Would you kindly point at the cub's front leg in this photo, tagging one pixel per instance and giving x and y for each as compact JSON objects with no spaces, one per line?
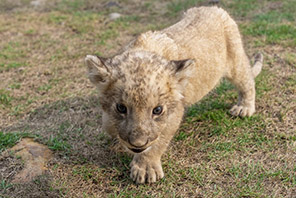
{"x":146,"y":166}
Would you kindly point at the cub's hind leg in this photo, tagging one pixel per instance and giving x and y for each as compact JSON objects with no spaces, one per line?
{"x":243,"y":77}
{"x":240,"y":73}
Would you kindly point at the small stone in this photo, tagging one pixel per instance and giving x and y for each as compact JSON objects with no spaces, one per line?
{"x":37,"y":3}
{"x":35,"y":157}
{"x":20,"y":69}
{"x":47,"y":72}
{"x":114,"y":16}
{"x":111,"y":4}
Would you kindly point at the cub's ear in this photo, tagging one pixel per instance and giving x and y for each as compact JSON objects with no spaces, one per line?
{"x":99,"y":73}
{"x":183,"y":69}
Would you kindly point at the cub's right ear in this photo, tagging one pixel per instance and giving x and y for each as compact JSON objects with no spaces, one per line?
{"x":97,"y":70}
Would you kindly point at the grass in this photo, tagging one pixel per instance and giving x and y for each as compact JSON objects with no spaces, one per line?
{"x":291,"y":59}
{"x":12,"y":56}
{"x":5,"y":97}
{"x":4,"y":186}
{"x":46,"y":95}
{"x":272,"y":33}
{"x":175,"y":7}
{"x":274,"y":17}
{"x":10,"y":139}
{"x":58,"y":144}
{"x":242,"y":8}
{"x":274,"y":26}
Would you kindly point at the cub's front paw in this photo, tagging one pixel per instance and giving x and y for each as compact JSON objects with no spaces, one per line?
{"x":146,"y":170}
{"x":242,"y":111}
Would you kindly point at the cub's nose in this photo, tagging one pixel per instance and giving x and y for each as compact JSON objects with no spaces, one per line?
{"x":138,"y":142}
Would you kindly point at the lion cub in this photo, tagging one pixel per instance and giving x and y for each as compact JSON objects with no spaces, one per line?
{"x":144,"y":90}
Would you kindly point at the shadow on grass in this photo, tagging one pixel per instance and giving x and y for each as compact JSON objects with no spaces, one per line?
{"x":72,"y":129}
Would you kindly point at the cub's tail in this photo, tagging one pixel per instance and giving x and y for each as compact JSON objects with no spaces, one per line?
{"x":256,"y":69}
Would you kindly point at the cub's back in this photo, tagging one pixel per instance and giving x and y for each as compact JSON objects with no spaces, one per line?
{"x":200,"y":31}
{"x":198,"y":23}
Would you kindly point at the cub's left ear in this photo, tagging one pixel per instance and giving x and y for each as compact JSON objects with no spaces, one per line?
{"x":183,"y":68}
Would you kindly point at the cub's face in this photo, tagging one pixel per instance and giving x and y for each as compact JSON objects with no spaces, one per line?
{"x":141,"y":96}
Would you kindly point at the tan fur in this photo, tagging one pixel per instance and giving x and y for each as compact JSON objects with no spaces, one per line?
{"x":172,"y":68}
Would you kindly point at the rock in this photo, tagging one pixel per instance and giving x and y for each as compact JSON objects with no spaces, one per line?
{"x":111,"y":4}
{"x":37,"y":3}
{"x":35,"y":157}
{"x":114,"y":16}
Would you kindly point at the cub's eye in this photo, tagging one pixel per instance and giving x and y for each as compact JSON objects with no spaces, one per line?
{"x":157,"y":110}
{"x":121,"y":108}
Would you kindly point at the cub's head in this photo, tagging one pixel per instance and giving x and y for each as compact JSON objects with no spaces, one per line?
{"x":141,"y":95}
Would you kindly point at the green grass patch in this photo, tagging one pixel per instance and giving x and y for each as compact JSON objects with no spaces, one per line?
{"x":202,"y":110}
{"x":11,"y":103}
{"x":59,"y":141}
{"x":243,"y":8}
{"x":290,"y":81}
{"x":271,"y":33}
{"x":263,"y":83}
{"x":12,"y":65}
{"x":104,"y":36}
{"x":86,"y":173}
{"x":11,"y":51}
{"x":4,"y":186}
{"x":57,"y":18}
{"x":182,"y":135}
{"x":30,"y":32}
{"x":44,"y":88}
{"x":274,"y":17}
{"x":290,"y":58}
{"x":79,"y":22}
{"x":5,"y":97}
{"x":11,"y":56}
{"x":286,"y":176}
{"x":197,"y":175}
{"x":218,"y":129}
{"x":16,"y":110}
{"x":8,"y":140}
{"x":223,"y":87}
{"x":250,"y":177}
{"x":289,"y":6}
{"x":213,"y":110}
{"x":15,"y":85}
{"x":71,"y":5}
{"x":82,"y":22}
{"x":58,"y":144}
{"x":175,"y":7}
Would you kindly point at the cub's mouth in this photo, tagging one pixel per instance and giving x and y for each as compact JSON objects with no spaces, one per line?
{"x":137,"y":150}
{"x":134,"y":149}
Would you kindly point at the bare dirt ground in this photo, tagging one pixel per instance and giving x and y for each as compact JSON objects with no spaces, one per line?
{"x":44,"y":94}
